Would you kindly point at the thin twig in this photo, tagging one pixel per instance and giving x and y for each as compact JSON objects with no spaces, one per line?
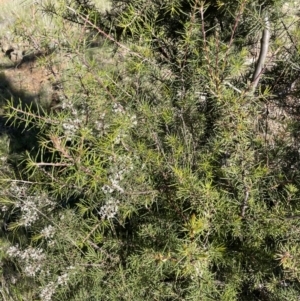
{"x":245,"y":203}
{"x":290,"y":37}
{"x":107,"y":36}
{"x":237,"y":20}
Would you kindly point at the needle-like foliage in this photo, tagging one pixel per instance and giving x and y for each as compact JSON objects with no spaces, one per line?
{"x":165,"y":171}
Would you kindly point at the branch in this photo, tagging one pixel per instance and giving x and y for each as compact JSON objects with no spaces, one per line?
{"x":262,"y":55}
{"x":107,"y":36}
{"x":245,"y":203}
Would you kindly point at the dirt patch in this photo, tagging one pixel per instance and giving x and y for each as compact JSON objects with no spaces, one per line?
{"x":29,"y":78}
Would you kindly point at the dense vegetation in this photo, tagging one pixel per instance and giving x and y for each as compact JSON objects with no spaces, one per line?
{"x":168,"y":167}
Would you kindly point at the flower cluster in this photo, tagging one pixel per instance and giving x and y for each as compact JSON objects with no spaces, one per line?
{"x":103,"y":123}
{"x":120,"y":167}
{"x":131,"y":121}
{"x":29,"y":212}
{"x":18,"y":190}
{"x":100,"y":125}
{"x":31,"y":258}
{"x":123,"y":132}
{"x":110,"y":209}
{"x":48,"y":291}
{"x":118,"y":108}
{"x":48,"y":232}
{"x":69,"y":105}
{"x":29,"y":204}
{"x":72,"y":124}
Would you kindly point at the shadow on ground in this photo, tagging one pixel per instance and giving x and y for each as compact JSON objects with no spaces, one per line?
{"x":20,"y":139}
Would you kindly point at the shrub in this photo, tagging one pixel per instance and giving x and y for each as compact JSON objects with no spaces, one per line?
{"x":156,"y":176}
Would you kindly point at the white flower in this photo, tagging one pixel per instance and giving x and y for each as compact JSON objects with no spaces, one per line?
{"x":48,"y":291}
{"x":19,"y":191}
{"x":71,"y":268}
{"x":29,"y":213}
{"x":30,"y":204}
{"x":13,"y":251}
{"x":115,"y":184}
{"x":118,"y":108}
{"x":107,"y":189}
{"x":50,"y":243}
{"x":133,"y":120}
{"x":31,"y":258}
{"x":48,"y":232}
{"x":110,"y":209}
{"x":99,"y":125}
{"x":118,"y":138}
{"x":63,"y":279}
